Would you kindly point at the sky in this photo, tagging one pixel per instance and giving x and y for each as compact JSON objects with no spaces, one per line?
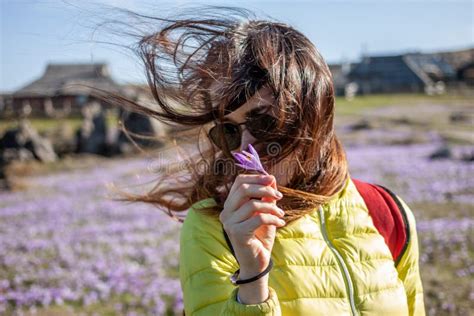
{"x":37,"y":32}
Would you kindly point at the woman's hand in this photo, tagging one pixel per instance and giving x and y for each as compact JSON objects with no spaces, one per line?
{"x":250,"y":217}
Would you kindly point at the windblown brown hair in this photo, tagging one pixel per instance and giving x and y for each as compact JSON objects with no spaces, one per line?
{"x":229,"y":45}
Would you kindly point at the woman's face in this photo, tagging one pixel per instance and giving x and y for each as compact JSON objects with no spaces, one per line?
{"x":261,"y":101}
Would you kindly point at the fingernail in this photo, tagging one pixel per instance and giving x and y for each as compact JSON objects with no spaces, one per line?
{"x":265,"y":179}
{"x":278,"y":193}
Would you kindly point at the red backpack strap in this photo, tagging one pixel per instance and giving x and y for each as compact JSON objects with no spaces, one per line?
{"x":388,"y":215}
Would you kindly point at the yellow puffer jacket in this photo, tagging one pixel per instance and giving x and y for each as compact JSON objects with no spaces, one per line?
{"x":329,"y":262}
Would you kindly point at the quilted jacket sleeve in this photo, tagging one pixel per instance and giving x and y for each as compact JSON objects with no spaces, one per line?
{"x":409,"y":270}
{"x":204,"y":269}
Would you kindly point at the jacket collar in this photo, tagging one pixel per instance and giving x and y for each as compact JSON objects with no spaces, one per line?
{"x":342,"y":193}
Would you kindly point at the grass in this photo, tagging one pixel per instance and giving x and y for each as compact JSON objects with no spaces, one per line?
{"x":360,"y":103}
{"x":430,"y":210}
{"x":42,"y":125}
{"x":46,"y":126}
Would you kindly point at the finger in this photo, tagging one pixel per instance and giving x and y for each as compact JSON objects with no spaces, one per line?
{"x":251,"y":224}
{"x":239,"y":180}
{"x":250,"y":207}
{"x":274,"y":186}
{"x":251,"y":179}
{"x":247,"y":191}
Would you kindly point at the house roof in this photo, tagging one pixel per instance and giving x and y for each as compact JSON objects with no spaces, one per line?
{"x":457,"y":59}
{"x":381,"y":66}
{"x":70,"y":79}
{"x":421,"y":65}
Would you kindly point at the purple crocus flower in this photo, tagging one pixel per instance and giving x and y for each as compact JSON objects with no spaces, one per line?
{"x":249,"y":160}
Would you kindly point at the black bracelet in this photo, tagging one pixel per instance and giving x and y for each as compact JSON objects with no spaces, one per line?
{"x":234,"y":277}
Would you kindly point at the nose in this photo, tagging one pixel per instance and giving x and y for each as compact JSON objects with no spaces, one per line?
{"x":246,"y":139}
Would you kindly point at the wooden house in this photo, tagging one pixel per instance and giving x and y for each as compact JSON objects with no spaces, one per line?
{"x":63,"y":89}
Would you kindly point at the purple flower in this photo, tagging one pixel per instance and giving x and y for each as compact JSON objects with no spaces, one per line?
{"x":249,"y":160}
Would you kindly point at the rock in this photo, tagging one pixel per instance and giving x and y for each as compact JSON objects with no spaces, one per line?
{"x":361,"y":125}
{"x":92,"y":135}
{"x":459,"y":117}
{"x":16,"y":141}
{"x":11,"y":139}
{"x":42,"y":149}
{"x":20,"y":154}
{"x":442,"y":153}
{"x":22,"y":144}
{"x":63,"y":139}
{"x":138,"y":129}
{"x":402,"y":121}
{"x":468,"y":157}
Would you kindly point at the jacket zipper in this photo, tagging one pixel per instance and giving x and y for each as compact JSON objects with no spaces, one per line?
{"x":345,"y":271}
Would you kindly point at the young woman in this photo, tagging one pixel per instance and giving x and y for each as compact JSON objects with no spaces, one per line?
{"x":301,"y":237}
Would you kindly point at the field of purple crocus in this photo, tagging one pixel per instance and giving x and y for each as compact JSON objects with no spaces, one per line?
{"x":67,"y":249}
{"x":64,"y":243}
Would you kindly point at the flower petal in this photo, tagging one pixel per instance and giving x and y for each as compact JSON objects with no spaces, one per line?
{"x":240,"y":158}
{"x":253,"y":151}
{"x":249,"y":160}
